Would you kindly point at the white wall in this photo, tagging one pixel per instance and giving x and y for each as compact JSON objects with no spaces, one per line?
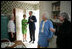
{"x":19,"y":17}
{"x":65,"y":6}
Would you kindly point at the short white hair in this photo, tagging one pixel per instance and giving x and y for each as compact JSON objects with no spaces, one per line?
{"x":46,"y":15}
{"x":12,"y":15}
{"x":64,"y":15}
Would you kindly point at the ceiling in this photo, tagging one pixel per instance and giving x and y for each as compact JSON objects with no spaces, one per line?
{"x":31,"y":2}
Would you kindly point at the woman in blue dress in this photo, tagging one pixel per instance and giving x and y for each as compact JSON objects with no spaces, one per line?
{"x":45,"y":32}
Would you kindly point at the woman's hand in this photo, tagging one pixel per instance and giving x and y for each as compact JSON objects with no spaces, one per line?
{"x":26,"y":23}
{"x":48,"y":39}
{"x":25,"y":27}
{"x":12,"y":36}
{"x":52,"y":29}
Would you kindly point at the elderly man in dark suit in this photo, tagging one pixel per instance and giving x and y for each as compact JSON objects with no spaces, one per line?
{"x":31,"y":22}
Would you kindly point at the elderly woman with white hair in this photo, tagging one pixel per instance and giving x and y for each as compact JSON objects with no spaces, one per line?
{"x":11,"y":28}
{"x":63,"y":35}
{"x":45,"y":31}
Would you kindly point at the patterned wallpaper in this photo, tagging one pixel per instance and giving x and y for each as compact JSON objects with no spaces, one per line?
{"x":7,"y":6}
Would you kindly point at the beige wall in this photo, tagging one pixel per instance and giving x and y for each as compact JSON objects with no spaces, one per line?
{"x":45,"y":6}
{"x":65,"y":6}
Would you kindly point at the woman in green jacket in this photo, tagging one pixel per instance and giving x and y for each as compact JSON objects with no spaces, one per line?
{"x":24,"y":27}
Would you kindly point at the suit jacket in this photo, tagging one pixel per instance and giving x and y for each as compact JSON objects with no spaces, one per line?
{"x":32,"y":24}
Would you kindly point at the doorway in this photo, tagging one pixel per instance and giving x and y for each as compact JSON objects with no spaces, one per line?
{"x":35,"y":13}
{"x":19,"y":17}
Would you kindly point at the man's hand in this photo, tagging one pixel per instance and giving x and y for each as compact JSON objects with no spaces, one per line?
{"x":31,"y":20}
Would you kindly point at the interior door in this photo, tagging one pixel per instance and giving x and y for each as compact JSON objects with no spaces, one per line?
{"x":4,"y":27}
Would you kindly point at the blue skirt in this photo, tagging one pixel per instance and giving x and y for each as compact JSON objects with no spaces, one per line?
{"x":43,"y":41}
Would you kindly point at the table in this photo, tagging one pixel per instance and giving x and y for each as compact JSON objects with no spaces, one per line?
{"x":15,"y":44}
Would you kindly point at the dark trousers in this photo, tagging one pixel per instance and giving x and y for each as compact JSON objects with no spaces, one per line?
{"x":10,"y":37}
{"x":32,"y":35}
